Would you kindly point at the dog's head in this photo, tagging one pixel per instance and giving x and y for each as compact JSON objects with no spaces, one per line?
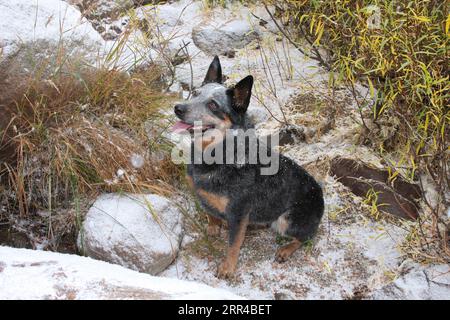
{"x":215,"y":105}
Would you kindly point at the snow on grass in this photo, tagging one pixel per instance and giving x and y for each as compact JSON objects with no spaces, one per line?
{"x":345,"y":256}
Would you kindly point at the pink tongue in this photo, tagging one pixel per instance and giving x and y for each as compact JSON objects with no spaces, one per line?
{"x":180,"y":126}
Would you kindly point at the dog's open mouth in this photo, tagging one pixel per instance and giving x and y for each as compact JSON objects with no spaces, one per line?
{"x":180,"y":127}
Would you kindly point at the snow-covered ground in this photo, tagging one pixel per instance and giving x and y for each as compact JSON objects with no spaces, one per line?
{"x":33,"y":274}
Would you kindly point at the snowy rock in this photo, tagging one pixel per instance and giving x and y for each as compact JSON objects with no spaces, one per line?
{"x":171,"y":24}
{"x":31,"y":274}
{"x":23,"y":21}
{"x":105,"y":15}
{"x":419,"y":283}
{"x":140,"y":232}
{"x":224,"y":39}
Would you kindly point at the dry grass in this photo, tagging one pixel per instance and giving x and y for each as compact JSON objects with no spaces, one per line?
{"x":77,"y":132}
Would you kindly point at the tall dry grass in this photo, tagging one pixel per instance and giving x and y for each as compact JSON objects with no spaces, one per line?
{"x":71,"y":134}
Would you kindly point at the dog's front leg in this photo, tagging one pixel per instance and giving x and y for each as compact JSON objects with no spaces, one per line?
{"x":237,"y":229}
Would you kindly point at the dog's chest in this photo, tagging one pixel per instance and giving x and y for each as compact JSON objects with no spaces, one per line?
{"x":210,"y":180}
{"x":210,"y":190}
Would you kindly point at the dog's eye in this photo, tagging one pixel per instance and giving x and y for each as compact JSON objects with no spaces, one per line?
{"x":213,"y":106}
{"x":195,"y":92}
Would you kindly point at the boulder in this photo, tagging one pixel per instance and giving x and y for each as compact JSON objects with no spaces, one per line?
{"x":23,"y":21}
{"x":418,"y":283}
{"x":105,"y":15}
{"x":31,"y":274}
{"x":224,"y":39}
{"x":140,"y":232}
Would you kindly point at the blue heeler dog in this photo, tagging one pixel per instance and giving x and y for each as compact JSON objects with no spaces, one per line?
{"x":290,"y":200}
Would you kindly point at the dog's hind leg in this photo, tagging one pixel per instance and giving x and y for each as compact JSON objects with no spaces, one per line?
{"x":283,"y":225}
{"x":237,"y":229}
{"x":214,"y":225}
{"x":284,"y":252}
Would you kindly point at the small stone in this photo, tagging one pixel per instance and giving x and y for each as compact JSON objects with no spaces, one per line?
{"x":231,"y":54}
{"x":283,"y":296}
{"x":291,"y":135}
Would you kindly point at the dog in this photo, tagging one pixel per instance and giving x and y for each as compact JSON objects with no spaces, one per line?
{"x":290,"y":200}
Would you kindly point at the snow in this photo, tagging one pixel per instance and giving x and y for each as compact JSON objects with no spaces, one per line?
{"x":174,"y":22}
{"x":343,"y":258}
{"x":418,"y":283}
{"x":23,"y":21}
{"x":137,"y":161}
{"x":28,"y":21}
{"x":31,"y":274}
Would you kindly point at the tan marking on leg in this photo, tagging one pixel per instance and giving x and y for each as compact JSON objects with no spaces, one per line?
{"x":228,"y":265}
{"x":287,"y":250}
{"x":214,"y":225}
{"x":216,"y":201}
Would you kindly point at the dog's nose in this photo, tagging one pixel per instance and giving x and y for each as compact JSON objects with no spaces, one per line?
{"x":179,"y":110}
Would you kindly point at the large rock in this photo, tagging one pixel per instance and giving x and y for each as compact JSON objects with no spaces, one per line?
{"x":224,"y":39}
{"x":418,"y":283}
{"x":32,"y":274}
{"x":140,"y":232}
{"x":23,"y":21}
{"x":105,"y":15}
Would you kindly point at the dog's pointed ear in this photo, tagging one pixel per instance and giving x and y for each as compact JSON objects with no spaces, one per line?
{"x":214,"y":73}
{"x":241,"y":94}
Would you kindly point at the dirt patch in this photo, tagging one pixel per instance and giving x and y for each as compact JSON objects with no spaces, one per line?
{"x":398,"y":198}
{"x":9,"y":236}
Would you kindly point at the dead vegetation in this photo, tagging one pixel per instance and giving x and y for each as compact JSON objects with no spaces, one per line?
{"x":74,"y":132}
{"x":398,"y":54}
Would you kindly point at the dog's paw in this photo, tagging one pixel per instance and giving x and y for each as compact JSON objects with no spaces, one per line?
{"x":213,"y":231}
{"x":286,"y":251}
{"x":226,"y":270}
{"x":282,"y":255}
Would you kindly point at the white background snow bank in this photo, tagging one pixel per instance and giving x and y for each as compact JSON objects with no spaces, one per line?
{"x":29,"y":20}
{"x":31,"y":274}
